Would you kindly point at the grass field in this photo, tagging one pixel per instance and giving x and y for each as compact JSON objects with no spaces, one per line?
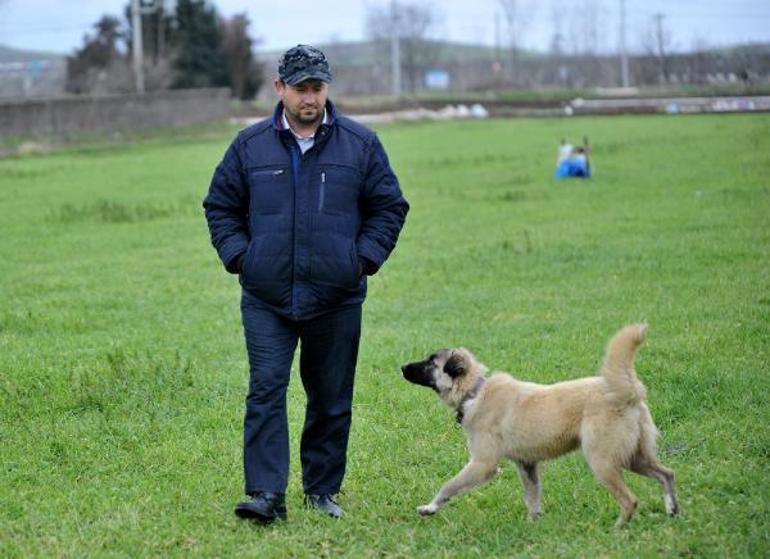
{"x":123,"y":371}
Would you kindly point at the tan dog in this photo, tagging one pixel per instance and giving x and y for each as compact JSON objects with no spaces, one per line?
{"x":605,"y":416}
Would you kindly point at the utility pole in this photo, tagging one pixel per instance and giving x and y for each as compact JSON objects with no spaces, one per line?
{"x":661,"y":40}
{"x":136,"y":23}
{"x":161,"y":32}
{"x":623,"y":52}
{"x":395,"y":50}
{"x":659,"y":30}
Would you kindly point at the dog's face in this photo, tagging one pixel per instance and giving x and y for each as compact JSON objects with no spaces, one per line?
{"x":439,"y":371}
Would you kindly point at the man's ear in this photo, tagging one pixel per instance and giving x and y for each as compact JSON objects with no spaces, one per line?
{"x":279,"y":85}
{"x":455,"y":365}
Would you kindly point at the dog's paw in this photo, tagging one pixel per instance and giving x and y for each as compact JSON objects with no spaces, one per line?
{"x":672,"y":507}
{"x":427,"y":510}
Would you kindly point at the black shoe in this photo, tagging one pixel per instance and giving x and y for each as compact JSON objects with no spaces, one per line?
{"x":324,"y":503}
{"x":263,"y":506}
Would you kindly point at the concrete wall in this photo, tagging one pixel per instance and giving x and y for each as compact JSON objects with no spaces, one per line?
{"x":69,"y":117}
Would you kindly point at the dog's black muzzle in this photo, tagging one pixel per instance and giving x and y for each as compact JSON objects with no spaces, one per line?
{"x":419,"y":373}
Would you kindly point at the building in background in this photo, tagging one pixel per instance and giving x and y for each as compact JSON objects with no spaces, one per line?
{"x":31,"y":74}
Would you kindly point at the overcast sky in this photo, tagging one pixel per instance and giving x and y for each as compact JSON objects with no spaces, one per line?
{"x":59,"y":25}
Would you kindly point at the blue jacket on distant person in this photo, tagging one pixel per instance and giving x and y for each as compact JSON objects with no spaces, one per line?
{"x":573,"y":167}
{"x":304,"y":230}
{"x":573,"y":161}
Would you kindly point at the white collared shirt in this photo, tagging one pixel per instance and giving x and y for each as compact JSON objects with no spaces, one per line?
{"x":304,"y":143}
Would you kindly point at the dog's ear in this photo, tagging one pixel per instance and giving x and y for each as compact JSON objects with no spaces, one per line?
{"x":455,"y":365}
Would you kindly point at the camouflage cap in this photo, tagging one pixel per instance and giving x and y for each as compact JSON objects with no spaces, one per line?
{"x":303,"y":62}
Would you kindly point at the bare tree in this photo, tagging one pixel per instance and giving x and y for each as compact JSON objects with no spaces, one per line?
{"x":657,"y":43}
{"x":585,"y":30}
{"x":662,"y":43}
{"x":585,"y":37}
{"x":698,"y":61}
{"x":557,"y":20}
{"x":518,"y":16}
{"x":100,"y":67}
{"x":592,"y":26}
{"x":412,"y":23}
{"x":245,"y":71}
{"x":556,"y":47}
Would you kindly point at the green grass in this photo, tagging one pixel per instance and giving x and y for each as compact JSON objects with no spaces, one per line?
{"x":123,"y":372}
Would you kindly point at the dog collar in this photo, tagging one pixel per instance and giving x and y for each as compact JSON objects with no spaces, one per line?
{"x":470,"y":395}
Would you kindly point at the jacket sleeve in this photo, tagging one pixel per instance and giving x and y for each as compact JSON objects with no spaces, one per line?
{"x":383,"y":208}
{"x":226,"y":206}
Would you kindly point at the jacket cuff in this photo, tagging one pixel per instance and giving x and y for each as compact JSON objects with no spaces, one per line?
{"x":235,"y":264}
{"x":368,"y":268}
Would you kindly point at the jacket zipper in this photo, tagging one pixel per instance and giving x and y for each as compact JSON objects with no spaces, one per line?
{"x":295,"y":164}
{"x":274,"y":172}
{"x":323,"y":191}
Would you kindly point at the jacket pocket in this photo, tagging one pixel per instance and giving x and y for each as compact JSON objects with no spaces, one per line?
{"x":267,"y":271}
{"x":338,"y":190}
{"x":269,"y":190}
{"x":355,"y":278}
{"x":336,"y":266}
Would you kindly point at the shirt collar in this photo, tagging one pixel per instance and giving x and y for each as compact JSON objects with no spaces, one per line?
{"x":286,"y":126}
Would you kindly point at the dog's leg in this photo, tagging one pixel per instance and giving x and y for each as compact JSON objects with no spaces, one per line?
{"x":472,"y":475}
{"x":612,"y":478}
{"x":608,"y":443}
{"x":530,"y":479}
{"x":657,"y":471}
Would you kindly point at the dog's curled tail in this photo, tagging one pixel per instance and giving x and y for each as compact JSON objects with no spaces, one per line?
{"x":618,"y":366}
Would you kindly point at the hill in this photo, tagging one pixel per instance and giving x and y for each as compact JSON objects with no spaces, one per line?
{"x":11,"y":54}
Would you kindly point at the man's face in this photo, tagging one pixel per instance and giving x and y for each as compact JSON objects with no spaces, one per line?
{"x":304,"y":103}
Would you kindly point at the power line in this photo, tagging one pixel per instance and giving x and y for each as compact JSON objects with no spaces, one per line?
{"x":15,"y":30}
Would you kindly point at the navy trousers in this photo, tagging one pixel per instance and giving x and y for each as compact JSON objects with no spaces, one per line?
{"x":328,"y":354}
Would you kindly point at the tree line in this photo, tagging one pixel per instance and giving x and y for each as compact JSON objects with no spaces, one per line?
{"x":189,"y":47}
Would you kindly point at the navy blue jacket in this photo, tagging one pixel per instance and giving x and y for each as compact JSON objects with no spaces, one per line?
{"x":301,"y":224}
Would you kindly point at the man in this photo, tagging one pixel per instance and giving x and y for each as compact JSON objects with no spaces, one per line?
{"x":304,"y":206}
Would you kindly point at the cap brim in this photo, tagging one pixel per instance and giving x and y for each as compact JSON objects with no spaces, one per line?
{"x":302,"y":76}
